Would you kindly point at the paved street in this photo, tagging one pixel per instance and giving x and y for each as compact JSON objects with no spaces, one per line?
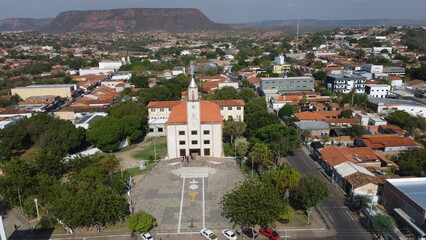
{"x":333,"y":210}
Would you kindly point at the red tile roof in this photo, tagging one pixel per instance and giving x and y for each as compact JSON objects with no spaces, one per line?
{"x":228,"y":102}
{"x":162,"y":104}
{"x":382,"y":141}
{"x":209,"y":114}
{"x":334,"y":156}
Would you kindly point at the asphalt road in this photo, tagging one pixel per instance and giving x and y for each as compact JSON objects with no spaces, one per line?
{"x":333,"y":210}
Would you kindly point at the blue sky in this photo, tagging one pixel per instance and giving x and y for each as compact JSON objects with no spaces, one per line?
{"x":232,"y":11}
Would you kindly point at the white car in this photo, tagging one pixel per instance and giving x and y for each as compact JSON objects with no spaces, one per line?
{"x":207,"y":234}
{"x":229,"y":234}
{"x":146,"y":236}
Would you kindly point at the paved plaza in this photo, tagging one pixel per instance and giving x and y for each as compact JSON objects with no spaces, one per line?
{"x":184,"y":196}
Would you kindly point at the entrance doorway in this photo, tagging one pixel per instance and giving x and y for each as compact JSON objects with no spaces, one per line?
{"x":194,"y":152}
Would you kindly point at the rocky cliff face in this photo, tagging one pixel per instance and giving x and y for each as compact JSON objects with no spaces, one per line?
{"x":132,"y":20}
{"x":23,"y":24}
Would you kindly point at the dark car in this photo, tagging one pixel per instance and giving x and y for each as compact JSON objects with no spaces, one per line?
{"x":250,"y":232}
{"x":269,"y":232}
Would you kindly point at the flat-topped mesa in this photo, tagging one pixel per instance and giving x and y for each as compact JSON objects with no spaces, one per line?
{"x":133,"y":20}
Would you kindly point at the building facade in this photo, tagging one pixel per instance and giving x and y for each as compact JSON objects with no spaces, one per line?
{"x":288,"y":84}
{"x":194,"y":127}
{"x":377,"y":90}
{"x":346,"y":83}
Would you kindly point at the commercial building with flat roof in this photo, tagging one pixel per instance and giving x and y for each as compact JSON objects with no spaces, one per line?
{"x":388,"y":105}
{"x":289,"y":84}
{"x":63,"y":91}
{"x":406,"y":197}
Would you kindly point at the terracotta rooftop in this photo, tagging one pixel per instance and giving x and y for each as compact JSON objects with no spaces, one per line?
{"x":342,"y":120}
{"x":334,"y":155}
{"x":360,"y":179}
{"x":163,"y":104}
{"x":382,"y":141}
{"x":209,"y":114}
{"x":228,"y":102}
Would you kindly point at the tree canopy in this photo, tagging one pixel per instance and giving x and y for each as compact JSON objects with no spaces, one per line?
{"x":383,"y":224}
{"x":253,"y":203}
{"x":311,"y":191}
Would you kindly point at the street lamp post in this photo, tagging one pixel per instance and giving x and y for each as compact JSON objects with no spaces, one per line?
{"x":38,"y":213}
{"x":20,"y":201}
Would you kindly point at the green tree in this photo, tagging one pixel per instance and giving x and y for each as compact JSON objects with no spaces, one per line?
{"x":383,"y":224}
{"x":233,"y":129}
{"x":141,"y":222}
{"x":253,"y":203}
{"x":398,"y":117}
{"x":361,"y":202}
{"x":287,"y":214}
{"x":226,"y":93}
{"x":311,"y":191}
{"x":279,"y":137}
{"x":109,"y":165}
{"x":320,"y":75}
{"x":286,"y":178}
{"x":246,"y":94}
{"x":286,"y":111}
{"x":355,"y":130}
{"x":412,"y":162}
{"x":106,"y":133}
{"x":261,"y":155}
{"x":346,"y":113}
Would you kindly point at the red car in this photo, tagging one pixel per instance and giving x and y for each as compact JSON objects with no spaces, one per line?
{"x":269,"y":232}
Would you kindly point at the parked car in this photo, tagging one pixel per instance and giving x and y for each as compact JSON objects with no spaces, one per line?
{"x":229,"y":234}
{"x":207,"y":234}
{"x":269,"y":232}
{"x":250,"y":232}
{"x":146,"y":236}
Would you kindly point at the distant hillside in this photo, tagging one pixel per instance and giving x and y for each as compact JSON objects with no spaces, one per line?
{"x":23,"y":24}
{"x":132,"y":20}
{"x":361,"y":22}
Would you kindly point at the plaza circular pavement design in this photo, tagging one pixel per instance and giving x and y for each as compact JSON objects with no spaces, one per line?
{"x":184,"y":196}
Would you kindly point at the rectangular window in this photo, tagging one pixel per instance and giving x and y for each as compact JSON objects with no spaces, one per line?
{"x":207,"y":152}
{"x":152,"y":109}
{"x":170,"y":109}
{"x":181,"y":142}
{"x":206,"y":141}
{"x":151,"y":129}
{"x":238,"y":108}
{"x":221,"y":108}
{"x":229,"y":108}
{"x":194,"y":142}
{"x":160,"y":129}
{"x":182,"y":152}
{"x":161,"y":109}
{"x":206,"y":132}
{"x":181,"y":133}
{"x":193,"y":132}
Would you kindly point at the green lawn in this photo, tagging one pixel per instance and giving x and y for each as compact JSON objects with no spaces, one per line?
{"x":300,"y":219}
{"x":136,"y":171}
{"x":128,"y":148}
{"x":149,"y":152}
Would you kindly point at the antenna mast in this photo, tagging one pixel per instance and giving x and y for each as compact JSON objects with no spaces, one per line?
{"x":297,"y":35}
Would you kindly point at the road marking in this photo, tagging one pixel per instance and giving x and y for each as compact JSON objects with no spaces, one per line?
{"x":181,"y":205}
{"x":204,"y":205}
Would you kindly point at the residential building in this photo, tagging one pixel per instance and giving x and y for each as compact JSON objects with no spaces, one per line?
{"x":415,"y":84}
{"x":63,"y":91}
{"x":178,"y":70}
{"x":194,"y":127}
{"x":370,"y":119}
{"x":387,"y":105}
{"x":110,"y":65}
{"x":406,"y":198}
{"x":346,"y":83}
{"x":282,"y":68}
{"x":371,"y":68}
{"x":389,"y":143}
{"x":86,"y":120}
{"x":377,"y":90}
{"x":312,"y":130}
